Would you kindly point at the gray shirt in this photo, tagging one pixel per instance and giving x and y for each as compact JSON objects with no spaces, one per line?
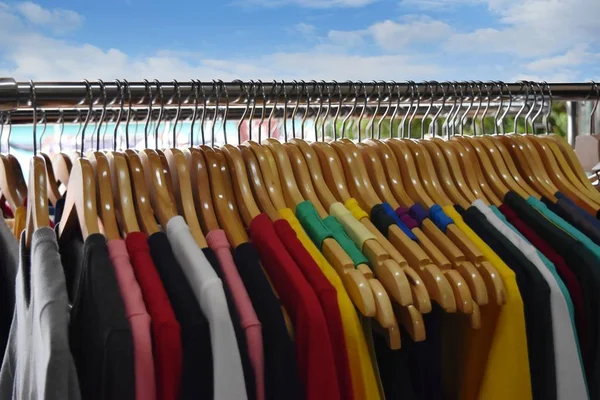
{"x":38,"y":363}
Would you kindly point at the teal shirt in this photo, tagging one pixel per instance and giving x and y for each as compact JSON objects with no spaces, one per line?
{"x":565,"y":226}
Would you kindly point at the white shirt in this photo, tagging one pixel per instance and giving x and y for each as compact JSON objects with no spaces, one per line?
{"x":570,"y":381}
{"x":207,"y":286}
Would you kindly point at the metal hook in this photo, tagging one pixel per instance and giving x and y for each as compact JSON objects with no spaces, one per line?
{"x":194,"y":110}
{"x":298,"y":95}
{"x":159,"y":95}
{"x":339,"y":109}
{"x":523,"y":106}
{"x":412,"y":116}
{"x":243,"y":88}
{"x":327,"y":113}
{"x":432,"y":130}
{"x":592,"y":125}
{"x":129,"y":112}
{"x":547,"y":113}
{"x":203,"y":119}
{"x":452,"y":118}
{"x":33,"y":99}
{"x":316,"y":124}
{"x":487,"y":107}
{"x":253,"y":91}
{"x":497,"y":113}
{"x":480,"y":96}
{"x":412,"y":86}
{"x":149,"y":112}
{"x":396,"y":109}
{"x":121,"y":95}
{"x":103,"y":115}
{"x":216,"y":89}
{"x":178,"y":113}
{"x":352,"y":86}
{"x":362,"y":111}
{"x":226,"y":113}
{"x":274,"y":108}
{"x":535,"y":117}
{"x":44,"y":120}
{"x":528,"y":115}
{"x":2,"y":127}
{"x":88,"y":89}
{"x":430,"y":85}
{"x":510,"y":99}
{"x":285,"y":104}
{"x":305,"y":87}
{"x":465,"y":115}
{"x":371,"y":124}
{"x":447,"y":116}
{"x":264,"y":110}
{"x":387,"y":109}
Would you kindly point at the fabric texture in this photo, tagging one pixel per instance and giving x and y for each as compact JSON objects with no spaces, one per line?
{"x":38,"y":362}
{"x":327,"y":296}
{"x":352,"y":226}
{"x":217,"y":240}
{"x":9,"y":261}
{"x":404,"y":214}
{"x":354,"y":208}
{"x":314,"y":225}
{"x":197,"y":367}
{"x":497,"y":352}
{"x":314,"y":355}
{"x":344,"y":241}
{"x":570,"y":380}
{"x":439,"y":218}
{"x":418,"y":213}
{"x":392,"y":213}
{"x":281,"y":371}
{"x":138,"y":317}
{"x":536,"y":300}
{"x":228,"y":373}
{"x":100,"y":336}
{"x":363,"y":377}
{"x":166,"y":330}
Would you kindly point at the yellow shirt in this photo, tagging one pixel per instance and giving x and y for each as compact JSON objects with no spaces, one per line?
{"x":364,"y":382}
{"x":20,"y":219}
{"x":494,"y":362}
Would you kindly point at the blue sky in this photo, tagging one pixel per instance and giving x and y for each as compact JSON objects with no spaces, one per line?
{"x":554,"y":40}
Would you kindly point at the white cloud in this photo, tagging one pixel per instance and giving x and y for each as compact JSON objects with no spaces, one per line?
{"x":346,"y":39}
{"x":312,"y":3}
{"x":58,"y":20}
{"x":391,"y":35}
{"x":571,"y":58}
{"x":303,"y":29}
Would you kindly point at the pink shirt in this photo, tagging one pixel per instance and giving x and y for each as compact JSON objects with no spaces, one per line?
{"x":145,"y":386}
{"x":217,"y":241}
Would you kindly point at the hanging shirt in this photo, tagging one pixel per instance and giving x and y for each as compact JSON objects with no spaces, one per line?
{"x":217,"y":241}
{"x":314,"y":355}
{"x":9,"y":255}
{"x":327,"y":296}
{"x":568,"y":277}
{"x":352,"y":226}
{"x":280,"y":370}
{"x":228,"y":373}
{"x":570,"y":381}
{"x":404,"y":214}
{"x":497,"y":352}
{"x":344,"y":240}
{"x":197,"y":368}
{"x":575,"y":215}
{"x":536,"y":300}
{"x":383,"y":219}
{"x":392,"y":213}
{"x":166,"y":331}
{"x":99,"y":333}
{"x":583,"y":263}
{"x":38,"y":362}
{"x":439,"y":218}
{"x":135,"y":309}
{"x":363,"y":377}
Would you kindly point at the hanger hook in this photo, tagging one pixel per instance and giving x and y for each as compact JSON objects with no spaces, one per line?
{"x":487,"y":106}
{"x":319,"y":87}
{"x":276,"y":89}
{"x":371,"y":123}
{"x":396,"y":108}
{"x":523,"y":86}
{"x":43,"y":120}
{"x":245,"y":91}
{"x":254,"y":87}
{"x":88,"y":117}
{"x":226,"y":112}
{"x":103,"y":114}
{"x":203,"y":119}
{"x":501,"y":99}
{"x":329,"y":88}
{"x":285,"y":106}
{"x":510,"y":99}
{"x":463,"y":118}
{"x":549,"y":110}
{"x":264,"y":109}
{"x":33,"y":99}
{"x":178,"y":113}
{"x":427,"y":84}
{"x":129,"y":111}
{"x":120,"y":97}
{"x":148,"y":90}
{"x":411,"y":88}
{"x":216,"y":89}
{"x":159,"y":97}
{"x":308,"y":93}
{"x":432,"y":130}
{"x":355,"y":102}
{"x":299,"y":92}
{"x":537,"y":114}
{"x":455,"y":110}
{"x":339,"y":108}
{"x":389,"y":105}
{"x":530,"y":111}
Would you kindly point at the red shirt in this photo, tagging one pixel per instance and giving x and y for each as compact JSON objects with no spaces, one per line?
{"x":166,"y":332}
{"x":327,"y":296}
{"x":314,"y":354}
{"x":568,"y":277}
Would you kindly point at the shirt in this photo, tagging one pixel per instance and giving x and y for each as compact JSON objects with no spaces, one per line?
{"x":583,"y":263}
{"x":364,"y":382}
{"x":38,"y":362}
{"x":100,"y":336}
{"x":228,"y":373}
{"x":383,"y":219}
{"x":575,"y":215}
{"x":139,"y":320}
{"x":280,"y":371}
{"x":569,"y":371}
{"x":327,"y":296}
{"x":497,"y":352}
{"x":568,"y":277}
{"x":166,"y":331}
{"x":404,"y":214}
{"x":197,"y":367}
{"x":9,"y":255}
{"x":314,"y":355}
{"x":217,"y":241}
{"x":536,"y":300}
{"x":392,"y":213}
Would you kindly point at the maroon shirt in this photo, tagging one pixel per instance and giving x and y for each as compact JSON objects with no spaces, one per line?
{"x":314,"y":354}
{"x":166,"y":331}
{"x":568,"y":277}
{"x":327,"y":296}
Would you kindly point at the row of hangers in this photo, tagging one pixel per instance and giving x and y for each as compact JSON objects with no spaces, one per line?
{"x":118,"y":192}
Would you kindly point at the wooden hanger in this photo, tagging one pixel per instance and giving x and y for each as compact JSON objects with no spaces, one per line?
{"x":572,"y":159}
{"x":236,"y":234}
{"x":437,"y":284}
{"x":53,"y":192}
{"x":121,"y":192}
{"x":8,"y":184}
{"x":80,"y":208}
{"x":334,"y":176}
{"x":134,"y":197}
{"x":201,"y":189}
{"x":435,"y":244}
{"x":61,"y":165}
{"x":180,"y":178}
{"x":104,"y":191}
{"x":163,"y":203}
{"x":38,"y":214}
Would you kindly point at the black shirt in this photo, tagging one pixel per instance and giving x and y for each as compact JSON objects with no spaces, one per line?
{"x":197,"y":371}
{"x":99,"y":332}
{"x":381,"y":219}
{"x":535,"y":293}
{"x":573,"y":215}
{"x":281,"y":371}
{"x":240,"y":335}
{"x":59,"y":208}
{"x":584,"y":265}
{"x":9,"y":253}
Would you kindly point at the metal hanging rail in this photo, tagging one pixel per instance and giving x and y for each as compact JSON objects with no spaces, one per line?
{"x":17,"y":95}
